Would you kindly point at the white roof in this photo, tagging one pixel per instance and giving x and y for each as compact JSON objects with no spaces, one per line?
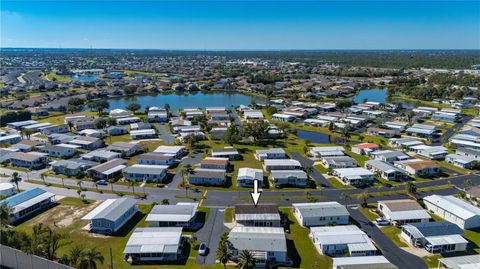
{"x":462,"y":262}
{"x":408,"y":214}
{"x":181,"y":212}
{"x":154,"y":240}
{"x":350,"y":235}
{"x":446,"y":240}
{"x":142,"y":132}
{"x":454,"y":206}
{"x":114,"y":169}
{"x":357,"y":171}
{"x":360,"y":260}
{"x":281,"y":162}
{"x":246,"y":172}
{"x":6,"y":186}
{"x":169,"y":149}
{"x":98,"y":209}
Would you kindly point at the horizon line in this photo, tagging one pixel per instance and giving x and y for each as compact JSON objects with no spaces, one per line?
{"x":253,"y":50}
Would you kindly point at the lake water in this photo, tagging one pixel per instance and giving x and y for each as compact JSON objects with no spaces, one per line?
{"x":372,"y":95}
{"x":178,"y":101}
{"x":84,"y":78}
{"x":316,"y":137}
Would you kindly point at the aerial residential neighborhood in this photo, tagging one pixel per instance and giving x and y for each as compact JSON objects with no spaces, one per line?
{"x":239,"y":134}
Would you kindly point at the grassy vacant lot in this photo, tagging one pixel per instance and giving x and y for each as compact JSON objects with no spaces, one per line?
{"x":300,"y":248}
{"x":66,"y":218}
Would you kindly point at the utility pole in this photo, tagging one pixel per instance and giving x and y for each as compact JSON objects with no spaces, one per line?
{"x":111,"y":259}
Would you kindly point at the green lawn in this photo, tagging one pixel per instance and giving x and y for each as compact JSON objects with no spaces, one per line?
{"x":393,"y":233}
{"x":300,"y":247}
{"x":369,"y":211}
{"x":337,"y":184}
{"x":432,"y":261}
{"x":228,"y":216}
{"x":54,"y":77}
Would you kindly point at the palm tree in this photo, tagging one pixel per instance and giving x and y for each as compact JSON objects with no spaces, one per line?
{"x":15,"y":179}
{"x":42,"y":176}
{"x":187,"y":170}
{"x":5,"y":212}
{"x":224,"y":238}
{"x":111,"y":181}
{"x":345,"y":196}
{"x":27,"y":133}
{"x":79,"y":183}
{"x":76,"y":253}
{"x":132,"y":184}
{"x":90,"y":258}
{"x":411,"y":188}
{"x":165,"y":202}
{"x":223,"y":254}
{"x":246,"y":260}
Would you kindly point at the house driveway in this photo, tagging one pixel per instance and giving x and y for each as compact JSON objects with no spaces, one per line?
{"x":306,"y":162}
{"x":210,"y":234}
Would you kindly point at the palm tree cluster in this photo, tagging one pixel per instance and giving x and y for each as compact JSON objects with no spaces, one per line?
{"x":82,"y":258}
{"x":246,"y":260}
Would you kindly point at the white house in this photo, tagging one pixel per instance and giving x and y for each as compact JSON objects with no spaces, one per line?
{"x":320,"y":214}
{"x":273,"y":153}
{"x":268,"y":244}
{"x":455,"y":210}
{"x":111,"y":215}
{"x":176,"y":151}
{"x":354,"y":176}
{"x":319,"y":152}
{"x":341,"y":240}
{"x":145,"y":173}
{"x":362,"y":262}
{"x":279,"y":164}
{"x":294,"y":178}
{"x":155,"y":158}
{"x":246,"y":176}
{"x":435,"y":237}
{"x":154,"y":244}
{"x":202,"y":176}
{"x":403,"y":211}
{"x":179,"y":215}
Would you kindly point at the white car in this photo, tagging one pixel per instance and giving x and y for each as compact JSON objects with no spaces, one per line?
{"x":382,"y":221}
{"x":202,"y":250}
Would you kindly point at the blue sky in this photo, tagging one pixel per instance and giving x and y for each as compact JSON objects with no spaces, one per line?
{"x":241,"y":24}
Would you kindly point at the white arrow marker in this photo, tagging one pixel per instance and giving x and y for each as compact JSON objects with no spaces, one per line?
{"x":255,"y":194}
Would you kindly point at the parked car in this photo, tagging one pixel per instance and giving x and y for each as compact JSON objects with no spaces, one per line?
{"x":202,"y":250}
{"x":382,"y":221}
{"x":102,"y":182}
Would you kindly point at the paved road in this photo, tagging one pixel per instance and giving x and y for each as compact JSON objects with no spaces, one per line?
{"x":223,"y":198}
{"x":394,"y":254}
{"x":306,"y":162}
{"x":165,"y":135}
{"x":451,"y":131}
{"x":210,"y":234}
